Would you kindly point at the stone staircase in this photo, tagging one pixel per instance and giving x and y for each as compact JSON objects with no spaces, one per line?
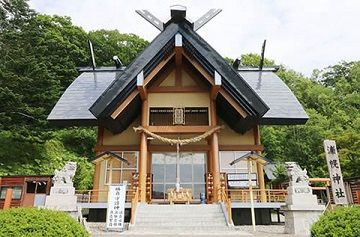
{"x":175,"y":219}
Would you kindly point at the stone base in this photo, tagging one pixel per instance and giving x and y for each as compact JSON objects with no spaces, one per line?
{"x":62,"y":198}
{"x":299,"y":222}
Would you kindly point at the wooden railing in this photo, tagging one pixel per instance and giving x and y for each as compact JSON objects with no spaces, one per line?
{"x":134,"y":202}
{"x":98,"y":195}
{"x":243,"y":195}
{"x":223,"y":197}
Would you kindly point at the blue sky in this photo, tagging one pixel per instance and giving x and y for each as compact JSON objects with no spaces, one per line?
{"x":302,"y":34}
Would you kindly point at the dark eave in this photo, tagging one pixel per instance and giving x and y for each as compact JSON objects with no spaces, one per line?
{"x":232,"y":82}
{"x":125,"y":83}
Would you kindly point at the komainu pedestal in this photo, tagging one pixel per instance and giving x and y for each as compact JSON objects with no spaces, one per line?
{"x":302,"y":208}
{"x":62,"y":195}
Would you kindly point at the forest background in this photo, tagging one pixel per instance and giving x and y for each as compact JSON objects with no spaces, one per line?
{"x":38,"y":59}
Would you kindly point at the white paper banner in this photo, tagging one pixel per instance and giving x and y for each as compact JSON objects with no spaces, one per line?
{"x":116,"y":207}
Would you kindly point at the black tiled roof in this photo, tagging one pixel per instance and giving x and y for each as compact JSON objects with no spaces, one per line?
{"x":284,"y":107}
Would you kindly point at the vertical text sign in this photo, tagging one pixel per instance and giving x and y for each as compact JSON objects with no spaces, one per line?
{"x":333,"y":163}
{"x":116,"y":207}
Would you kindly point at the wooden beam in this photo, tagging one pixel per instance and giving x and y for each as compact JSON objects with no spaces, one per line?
{"x":233,"y":103}
{"x":196,"y":77}
{"x":178,"y":59}
{"x":143,"y":152}
{"x":200,"y":69}
{"x":161,"y":77}
{"x":241,"y":147}
{"x":124,"y":104}
{"x":216,"y":87}
{"x":214,"y":92}
{"x":152,"y":148}
{"x":178,"y":129}
{"x":140,"y":85}
{"x":100,"y":148}
{"x":155,"y":71}
{"x":169,"y":148}
{"x":168,"y":89}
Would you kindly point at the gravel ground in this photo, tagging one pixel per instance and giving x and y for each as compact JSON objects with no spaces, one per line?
{"x":98,"y":230}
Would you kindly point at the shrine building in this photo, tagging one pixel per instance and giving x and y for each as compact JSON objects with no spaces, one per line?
{"x":177,"y":119}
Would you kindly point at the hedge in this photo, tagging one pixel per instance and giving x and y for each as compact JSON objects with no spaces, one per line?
{"x":342,"y":222}
{"x":35,"y":222}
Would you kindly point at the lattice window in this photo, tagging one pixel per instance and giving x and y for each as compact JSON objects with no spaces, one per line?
{"x":189,"y":116}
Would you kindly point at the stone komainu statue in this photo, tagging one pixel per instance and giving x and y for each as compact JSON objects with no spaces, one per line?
{"x":66,"y":174}
{"x":296,"y":174}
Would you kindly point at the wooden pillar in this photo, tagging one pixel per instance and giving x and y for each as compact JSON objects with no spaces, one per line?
{"x":215,"y":164}
{"x":214,"y":151}
{"x":96,"y":180}
{"x":143,"y":153}
{"x":8,"y":198}
{"x":260,"y":168}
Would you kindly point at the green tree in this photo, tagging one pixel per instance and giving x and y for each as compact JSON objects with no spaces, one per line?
{"x":108,"y":43}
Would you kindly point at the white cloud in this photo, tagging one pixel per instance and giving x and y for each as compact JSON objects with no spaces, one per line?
{"x":304,"y":34}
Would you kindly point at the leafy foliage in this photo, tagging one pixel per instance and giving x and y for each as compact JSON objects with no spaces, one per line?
{"x":38,"y":222}
{"x":38,"y":60}
{"x":343,"y":221}
{"x":108,"y":43}
{"x":331,"y":99}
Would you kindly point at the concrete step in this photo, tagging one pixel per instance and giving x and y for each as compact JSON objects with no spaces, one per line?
{"x":179,"y":219}
{"x":180,"y":229}
{"x":178,"y":213}
{"x":172,"y":219}
{"x":188,"y":223}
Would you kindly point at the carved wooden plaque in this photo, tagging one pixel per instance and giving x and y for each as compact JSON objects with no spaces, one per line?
{"x":179,"y":116}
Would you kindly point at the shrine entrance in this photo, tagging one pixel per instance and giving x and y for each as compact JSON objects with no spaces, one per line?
{"x":192,"y":169}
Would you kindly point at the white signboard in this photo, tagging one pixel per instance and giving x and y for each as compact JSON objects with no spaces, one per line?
{"x":333,"y":163}
{"x":116,"y":207}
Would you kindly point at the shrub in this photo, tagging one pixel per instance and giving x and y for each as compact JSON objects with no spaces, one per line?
{"x":343,"y":221}
{"x":38,"y":222}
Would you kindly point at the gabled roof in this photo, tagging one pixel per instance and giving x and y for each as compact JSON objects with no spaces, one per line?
{"x":93,"y":96}
{"x":232,"y":82}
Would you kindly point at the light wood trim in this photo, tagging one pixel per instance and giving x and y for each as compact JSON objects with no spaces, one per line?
{"x":198,"y":67}
{"x":145,"y":113}
{"x":124,"y":104}
{"x":194,"y":76}
{"x":178,"y":129}
{"x":157,"y":69}
{"x":142,"y":92}
{"x":165,"y":73}
{"x":256,"y":135}
{"x":152,"y":148}
{"x":170,"y":148}
{"x":143,"y":152}
{"x":100,"y":148}
{"x":233,"y":103}
{"x":213,"y":116}
{"x":142,"y":167}
{"x":214,"y":92}
{"x":241,"y":147}
{"x":166,"y":89}
{"x":178,"y":62}
{"x":186,"y":147}
{"x":100,"y":136}
{"x":215,"y":164}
